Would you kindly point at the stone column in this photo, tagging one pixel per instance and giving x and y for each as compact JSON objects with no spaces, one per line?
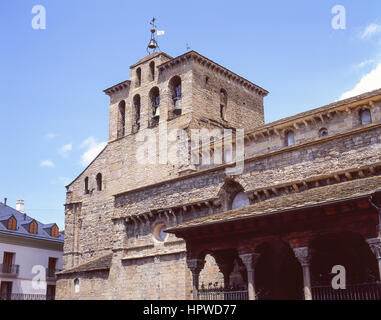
{"x":302,"y":254}
{"x":375,"y":246}
{"x":250,"y":260}
{"x":195,"y":266}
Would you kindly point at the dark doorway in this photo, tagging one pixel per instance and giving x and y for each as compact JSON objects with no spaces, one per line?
{"x":6,"y":290}
{"x":278,"y":274}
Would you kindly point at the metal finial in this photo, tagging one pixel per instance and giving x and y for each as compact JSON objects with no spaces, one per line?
{"x":188,"y":47}
{"x":153,"y":45}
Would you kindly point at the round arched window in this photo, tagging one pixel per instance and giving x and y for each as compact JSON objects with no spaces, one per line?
{"x":240,"y":200}
{"x":290,"y":138}
{"x":323,"y":132}
{"x":366,"y":117}
{"x":159,"y":233}
{"x":76,"y":285}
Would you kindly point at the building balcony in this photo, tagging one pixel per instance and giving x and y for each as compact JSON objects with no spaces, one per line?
{"x":10,"y":270}
{"x":51,"y":274}
{"x":23,"y":296}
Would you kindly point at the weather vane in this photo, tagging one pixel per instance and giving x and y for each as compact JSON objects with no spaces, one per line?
{"x":153,"y":45}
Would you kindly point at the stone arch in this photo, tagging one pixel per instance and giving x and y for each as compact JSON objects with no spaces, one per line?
{"x":289,"y":138}
{"x":154,"y":96}
{"x":136,"y":111}
{"x":278,"y":273}
{"x":175,"y":89}
{"x":348,"y":249}
{"x":365,"y":116}
{"x":121,"y":119}
{"x":152,"y":70}
{"x":223,"y":103}
{"x":228,"y":192}
{"x":210,"y":275}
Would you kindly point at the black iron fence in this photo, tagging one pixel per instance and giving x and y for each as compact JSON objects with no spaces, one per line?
{"x":223,"y":295}
{"x":214,"y":292}
{"x":24,"y":296}
{"x":366,"y":291}
{"x":12,"y":269}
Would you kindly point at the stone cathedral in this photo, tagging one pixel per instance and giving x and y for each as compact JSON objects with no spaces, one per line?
{"x":308,"y":197}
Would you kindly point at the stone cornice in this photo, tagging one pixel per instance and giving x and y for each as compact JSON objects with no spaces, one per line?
{"x":307,"y":119}
{"x":169,"y":211}
{"x":253,"y":158}
{"x":117,"y":87}
{"x":196,"y":57}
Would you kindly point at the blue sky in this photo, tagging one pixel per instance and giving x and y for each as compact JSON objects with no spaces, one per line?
{"x":54,"y":115}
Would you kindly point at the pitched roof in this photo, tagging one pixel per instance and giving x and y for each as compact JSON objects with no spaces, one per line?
{"x":23,"y":220}
{"x":149,"y":57}
{"x":309,"y":198}
{"x":97,"y":264}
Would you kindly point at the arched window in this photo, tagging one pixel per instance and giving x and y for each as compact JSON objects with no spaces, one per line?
{"x":159,"y":233}
{"x":54,"y":231}
{"x":175,"y":89}
{"x":152,"y":70}
{"x":122,"y":119}
{"x":155,"y":102}
{"x":240,"y":200}
{"x":323,"y":132}
{"x":136,"y":102}
{"x":87,"y":191}
{"x":99,"y":181}
{"x":138,"y":77}
{"x":223,"y":103}
{"x":290,"y":138}
{"x":33,"y":228}
{"x":365,"y":117}
{"x":12,"y":223}
{"x":76,"y":286}
{"x":228,"y":193}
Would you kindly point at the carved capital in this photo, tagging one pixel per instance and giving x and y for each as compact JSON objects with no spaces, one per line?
{"x":250,"y":260}
{"x":302,"y":254}
{"x":195,"y":265}
{"x":375,"y":246}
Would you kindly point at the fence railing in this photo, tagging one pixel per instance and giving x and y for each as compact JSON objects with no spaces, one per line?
{"x":10,"y":269}
{"x":25,"y":296}
{"x":223,"y":295}
{"x":366,"y":291}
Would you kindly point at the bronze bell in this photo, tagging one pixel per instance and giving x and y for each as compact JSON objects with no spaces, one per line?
{"x":152,"y":44}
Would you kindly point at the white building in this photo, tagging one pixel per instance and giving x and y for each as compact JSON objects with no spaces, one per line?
{"x":30,"y":255}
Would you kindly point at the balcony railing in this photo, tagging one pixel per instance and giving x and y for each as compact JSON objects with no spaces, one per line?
{"x":9,"y":269}
{"x":51,"y":273}
{"x":366,"y":291}
{"x":23,"y":296}
{"x":213,"y":292}
{"x":223,"y":295}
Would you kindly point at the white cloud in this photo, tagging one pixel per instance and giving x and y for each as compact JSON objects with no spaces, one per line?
{"x":370,"y":31}
{"x":93,"y":148}
{"x":47,"y":163}
{"x":64,"y":150}
{"x":370,"y":81}
{"x":365,"y":63}
{"x":50,"y":136}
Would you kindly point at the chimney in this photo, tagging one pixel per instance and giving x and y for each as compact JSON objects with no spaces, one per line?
{"x":5,"y":201}
{"x":20,"y":206}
